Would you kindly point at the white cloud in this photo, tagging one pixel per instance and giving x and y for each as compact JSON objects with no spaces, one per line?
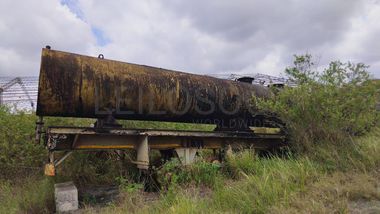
{"x":27,"y":26}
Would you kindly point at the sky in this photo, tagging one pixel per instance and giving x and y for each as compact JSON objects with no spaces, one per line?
{"x":217,"y":37}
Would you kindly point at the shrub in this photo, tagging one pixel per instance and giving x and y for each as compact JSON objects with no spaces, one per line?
{"x":17,"y":146}
{"x":200,"y":172}
{"x":325,"y":106}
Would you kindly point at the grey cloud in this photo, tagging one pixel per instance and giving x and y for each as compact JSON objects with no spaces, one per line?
{"x":299,"y":23}
{"x":256,"y":27}
{"x":194,"y":36}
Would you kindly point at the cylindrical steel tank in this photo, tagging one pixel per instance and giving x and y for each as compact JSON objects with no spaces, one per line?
{"x":73,"y":85}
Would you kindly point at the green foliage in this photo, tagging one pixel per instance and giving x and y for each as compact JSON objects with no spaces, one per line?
{"x":32,"y":196}
{"x":90,"y":168}
{"x":17,"y":137}
{"x":17,"y":145}
{"x":325,"y":106}
{"x":127,"y":186}
{"x":200,"y":172}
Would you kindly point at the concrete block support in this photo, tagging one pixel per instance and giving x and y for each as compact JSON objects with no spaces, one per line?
{"x":66,"y":197}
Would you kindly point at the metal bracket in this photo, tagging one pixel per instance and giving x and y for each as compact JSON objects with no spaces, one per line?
{"x":186,"y":155}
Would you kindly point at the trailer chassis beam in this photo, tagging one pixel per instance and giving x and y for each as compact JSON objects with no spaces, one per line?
{"x":184,"y":143}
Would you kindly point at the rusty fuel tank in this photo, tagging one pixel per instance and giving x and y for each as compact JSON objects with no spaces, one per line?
{"x":73,"y":85}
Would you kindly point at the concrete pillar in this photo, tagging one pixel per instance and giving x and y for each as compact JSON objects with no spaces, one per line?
{"x":66,"y":197}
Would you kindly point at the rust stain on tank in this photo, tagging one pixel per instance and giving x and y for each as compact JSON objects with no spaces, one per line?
{"x":74,"y":85}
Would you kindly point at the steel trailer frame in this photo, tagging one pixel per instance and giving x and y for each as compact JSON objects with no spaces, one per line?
{"x":185,"y":143}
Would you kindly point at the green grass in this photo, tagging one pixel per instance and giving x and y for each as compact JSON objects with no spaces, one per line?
{"x":166,"y":125}
{"x":332,"y":175}
{"x":268,"y":181}
{"x":333,"y":193}
{"x":173,"y":173}
{"x":32,"y":195}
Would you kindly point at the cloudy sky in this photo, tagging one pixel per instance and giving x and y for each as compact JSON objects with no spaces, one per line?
{"x":206,"y":37}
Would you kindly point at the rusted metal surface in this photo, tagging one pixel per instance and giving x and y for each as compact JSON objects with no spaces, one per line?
{"x":73,"y":85}
{"x":73,"y":138}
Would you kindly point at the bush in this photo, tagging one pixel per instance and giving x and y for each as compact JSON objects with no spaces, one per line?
{"x":325,"y":106}
{"x":17,"y":146}
{"x":200,"y":172}
{"x":17,"y":142}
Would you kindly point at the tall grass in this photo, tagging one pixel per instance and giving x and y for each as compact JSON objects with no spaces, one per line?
{"x":268,"y":181}
{"x":359,"y":153}
{"x":173,"y":173}
{"x":32,"y":195}
{"x":278,"y":184}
